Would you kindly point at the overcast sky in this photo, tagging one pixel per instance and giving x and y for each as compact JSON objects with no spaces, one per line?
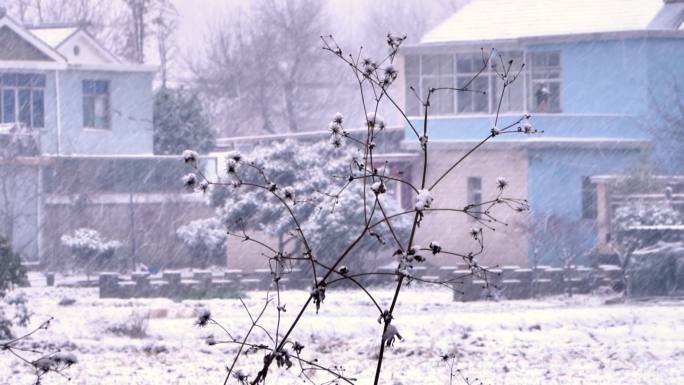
{"x":197,"y":17}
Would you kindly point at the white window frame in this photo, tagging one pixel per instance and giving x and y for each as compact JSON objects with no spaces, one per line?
{"x":108,"y":103}
{"x":525,"y":81}
{"x":532,"y":80}
{"x":467,"y":76}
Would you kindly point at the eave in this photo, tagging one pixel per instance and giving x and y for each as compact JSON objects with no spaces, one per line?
{"x":536,"y":143}
{"x":26,"y":65}
{"x":546,"y":39}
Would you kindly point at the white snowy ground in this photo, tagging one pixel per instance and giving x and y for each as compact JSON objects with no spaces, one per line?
{"x":557,"y":341}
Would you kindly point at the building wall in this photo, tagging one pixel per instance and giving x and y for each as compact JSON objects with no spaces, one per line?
{"x":603,"y":76}
{"x":506,"y":245}
{"x":555,"y":178}
{"x":151,"y":227}
{"x":43,"y":198}
{"x":19,"y":205}
{"x":131,"y":114}
{"x":48,"y":134}
{"x":247,"y":256}
{"x":131,"y":105}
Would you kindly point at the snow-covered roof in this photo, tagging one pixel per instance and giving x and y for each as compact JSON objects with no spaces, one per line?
{"x":227,"y":142}
{"x":53,"y":36}
{"x":512,"y":19}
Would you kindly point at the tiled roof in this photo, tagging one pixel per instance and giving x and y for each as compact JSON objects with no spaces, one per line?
{"x":510,"y":19}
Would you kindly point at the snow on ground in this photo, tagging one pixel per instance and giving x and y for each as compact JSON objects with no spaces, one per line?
{"x":576,"y":340}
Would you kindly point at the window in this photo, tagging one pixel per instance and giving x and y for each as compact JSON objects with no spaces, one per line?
{"x":438,"y":71}
{"x":433,"y":71}
{"x":467,"y":67}
{"x":475,"y":195}
{"x":96,"y":104}
{"x":513,"y":99}
{"x":407,"y":197}
{"x":22,"y":99}
{"x":544,"y":79}
{"x":589,"y":208}
{"x":412,"y":70}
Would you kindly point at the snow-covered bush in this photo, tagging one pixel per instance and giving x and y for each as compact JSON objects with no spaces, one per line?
{"x":307,"y":176}
{"x":645,"y":268}
{"x":206,"y":240}
{"x":634,"y":214}
{"x":89,"y":249}
{"x":645,"y":214}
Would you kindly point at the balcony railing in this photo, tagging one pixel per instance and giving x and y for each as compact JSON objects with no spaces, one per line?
{"x":16,"y":139}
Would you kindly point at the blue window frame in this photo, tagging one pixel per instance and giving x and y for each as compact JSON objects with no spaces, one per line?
{"x":22,"y":99}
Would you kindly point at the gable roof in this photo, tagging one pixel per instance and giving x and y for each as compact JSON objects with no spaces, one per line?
{"x":40,"y":45}
{"x":59,"y":35}
{"x":513,"y":19}
{"x":58,"y":46}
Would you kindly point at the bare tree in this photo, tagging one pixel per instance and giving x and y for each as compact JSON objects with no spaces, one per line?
{"x":98,"y":16}
{"x":166,"y":24}
{"x":261,"y":69}
{"x":373,"y":78}
{"x":138,"y":17}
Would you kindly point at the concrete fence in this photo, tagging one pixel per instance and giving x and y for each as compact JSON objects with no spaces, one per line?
{"x":510,"y":282}
{"x":514,"y":282}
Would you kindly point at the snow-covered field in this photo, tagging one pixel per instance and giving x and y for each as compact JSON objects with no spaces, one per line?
{"x":558,"y":341}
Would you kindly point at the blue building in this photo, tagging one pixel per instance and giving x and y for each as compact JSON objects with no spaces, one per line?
{"x":596,"y":76}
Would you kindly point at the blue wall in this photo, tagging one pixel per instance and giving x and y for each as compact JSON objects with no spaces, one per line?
{"x":666,"y":102}
{"x":555,"y":192}
{"x":602,"y":77}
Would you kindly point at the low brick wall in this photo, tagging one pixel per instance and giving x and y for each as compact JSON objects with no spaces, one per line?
{"x":513,"y":282}
{"x":508,"y":282}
